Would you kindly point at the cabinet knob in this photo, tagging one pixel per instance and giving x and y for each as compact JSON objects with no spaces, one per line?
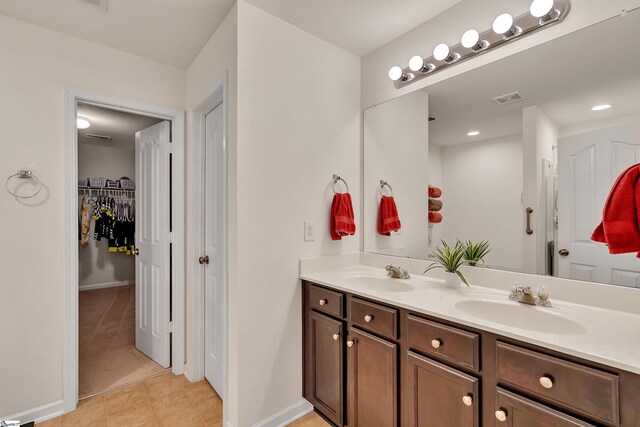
{"x":436,"y":343}
{"x":501,"y":416}
{"x":323,"y":302}
{"x":368,"y":318}
{"x":546,"y":382}
{"x":336,"y":337}
{"x":467,"y":400}
{"x":349,"y":343}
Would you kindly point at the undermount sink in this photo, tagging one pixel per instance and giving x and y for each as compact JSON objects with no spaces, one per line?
{"x":521,"y":316}
{"x":384,"y":284}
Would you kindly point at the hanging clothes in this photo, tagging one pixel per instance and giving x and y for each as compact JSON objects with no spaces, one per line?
{"x":85,"y":222}
{"x":114,"y":220}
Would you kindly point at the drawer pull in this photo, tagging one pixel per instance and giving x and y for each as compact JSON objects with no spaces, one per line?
{"x":323,"y":302}
{"x":501,"y":416}
{"x":546,"y":382}
{"x":436,"y":343}
{"x":336,"y":337}
{"x":350,"y":343}
{"x":467,"y":400}
{"x":368,"y":318}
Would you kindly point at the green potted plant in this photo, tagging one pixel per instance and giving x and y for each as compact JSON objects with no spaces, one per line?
{"x":450,"y":259}
{"x":474,"y":253}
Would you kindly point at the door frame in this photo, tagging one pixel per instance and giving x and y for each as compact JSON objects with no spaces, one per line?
{"x":70,"y":224}
{"x":194,"y":369}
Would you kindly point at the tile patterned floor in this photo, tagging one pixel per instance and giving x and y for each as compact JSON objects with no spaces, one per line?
{"x":107,"y":355}
{"x":164,"y":400}
{"x":310,"y":420}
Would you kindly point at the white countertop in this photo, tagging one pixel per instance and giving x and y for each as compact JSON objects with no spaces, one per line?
{"x":593,"y":333}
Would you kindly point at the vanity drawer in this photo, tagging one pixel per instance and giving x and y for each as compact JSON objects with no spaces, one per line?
{"x":327,"y":301}
{"x":584,"y":390}
{"x":374,"y":317}
{"x":452,"y":344}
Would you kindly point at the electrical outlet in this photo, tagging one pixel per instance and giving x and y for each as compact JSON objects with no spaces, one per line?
{"x":309,"y":231}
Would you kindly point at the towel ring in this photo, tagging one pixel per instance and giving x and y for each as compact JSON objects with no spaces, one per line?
{"x":382,"y":185}
{"x":23,"y":174}
{"x":337,"y":178}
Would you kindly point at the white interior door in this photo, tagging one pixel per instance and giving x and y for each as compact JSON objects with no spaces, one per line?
{"x":152,"y":242}
{"x":589,"y":164}
{"x":214,"y":225}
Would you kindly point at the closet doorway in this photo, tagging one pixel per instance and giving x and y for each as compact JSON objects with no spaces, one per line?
{"x":124,"y":261}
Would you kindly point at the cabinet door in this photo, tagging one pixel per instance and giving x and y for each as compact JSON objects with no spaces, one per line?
{"x":372,"y":381}
{"x":437,"y":395}
{"x":516,"y":411}
{"x":325,"y":366}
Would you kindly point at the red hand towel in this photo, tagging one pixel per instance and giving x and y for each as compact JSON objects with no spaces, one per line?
{"x":435,"y":192}
{"x":388,"y":220}
{"x":620,"y":226}
{"x":435,"y":217}
{"x":342,"y":221}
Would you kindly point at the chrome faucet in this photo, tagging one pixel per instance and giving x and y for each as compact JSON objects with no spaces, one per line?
{"x":524,"y":295}
{"x":397,"y":272}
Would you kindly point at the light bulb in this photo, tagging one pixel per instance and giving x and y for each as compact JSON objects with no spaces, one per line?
{"x":82,"y":122}
{"x":395,"y":73}
{"x":470,"y":39}
{"x":441,"y":52}
{"x":416,"y":63}
{"x":541,"y":8}
{"x":473,"y":133}
{"x":503,"y":24}
{"x":601,"y":107}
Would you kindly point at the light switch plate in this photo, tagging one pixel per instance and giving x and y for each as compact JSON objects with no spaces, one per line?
{"x":309,"y":231}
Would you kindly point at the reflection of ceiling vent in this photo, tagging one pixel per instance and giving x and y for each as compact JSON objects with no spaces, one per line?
{"x":102,"y":4}
{"x":101,"y":137}
{"x":509,"y":98}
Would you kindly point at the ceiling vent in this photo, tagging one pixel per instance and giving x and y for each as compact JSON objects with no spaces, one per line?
{"x":100,"y":137}
{"x":509,"y":98}
{"x":102,"y":4}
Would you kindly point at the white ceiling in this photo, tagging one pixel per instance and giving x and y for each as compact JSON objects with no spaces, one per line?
{"x":564,"y":77}
{"x":357,"y":26}
{"x":120,"y":126}
{"x":174,"y":31}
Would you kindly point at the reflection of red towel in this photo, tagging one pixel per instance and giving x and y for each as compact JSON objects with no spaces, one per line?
{"x":388,"y":220}
{"x":435,"y":192}
{"x":341,"y":221}
{"x":620,"y":227}
{"x":435,"y":217}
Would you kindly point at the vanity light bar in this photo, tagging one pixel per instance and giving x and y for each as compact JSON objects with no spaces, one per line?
{"x":505,"y":29}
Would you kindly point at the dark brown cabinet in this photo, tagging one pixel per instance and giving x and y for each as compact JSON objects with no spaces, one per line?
{"x":325,"y":361}
{"x":372,"y":381}
{"x":437,"y":395}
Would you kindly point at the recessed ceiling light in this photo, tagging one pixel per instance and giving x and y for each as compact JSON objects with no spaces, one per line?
{"x":82,"y":122}
{"x":473,"y":133}
{"x":601,"y":107}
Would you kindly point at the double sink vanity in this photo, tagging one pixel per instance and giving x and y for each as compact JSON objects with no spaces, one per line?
{"x":380,"y":351}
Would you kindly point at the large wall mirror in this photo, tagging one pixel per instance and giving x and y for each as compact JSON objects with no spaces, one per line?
{"x":515,"y":135}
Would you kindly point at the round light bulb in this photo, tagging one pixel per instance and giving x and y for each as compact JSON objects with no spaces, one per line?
{"x":473,"y":133}
{"x":441,"y":52}
{"x":601,"y":107}
{"x":82,"y":122}
{"x":395,"y":73}
{"x":540,"y":8}
{"x":416,"y":63}
{"x":470,"y":39}
{"x":503,"y":23}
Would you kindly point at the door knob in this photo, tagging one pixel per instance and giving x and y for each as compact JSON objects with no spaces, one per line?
{"x":563,"y":252}
{"x":137,"y":252}
{"x":501,"y":416}
{"x":204,"y":259}
{"x":467,"y":400}
{"x":336,"y":337}
{"x":350,"y":343}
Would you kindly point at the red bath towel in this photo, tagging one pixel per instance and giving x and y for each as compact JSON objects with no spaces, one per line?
{"x":388,"y":220}
{"x":434,"y":192}
{"x":342,"y":221}
{"x":435,"y":217}
{"x":620,"y":227}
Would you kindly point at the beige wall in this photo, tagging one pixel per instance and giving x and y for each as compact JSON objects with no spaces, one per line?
{"x":37,"y":66}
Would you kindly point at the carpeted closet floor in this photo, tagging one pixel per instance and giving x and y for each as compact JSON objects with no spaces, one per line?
{"x":107,"y":354}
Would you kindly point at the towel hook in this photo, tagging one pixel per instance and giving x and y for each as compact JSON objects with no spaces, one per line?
{"x":383,"y":184}
{"x":337,"y":178}
{"x":23,"y":174}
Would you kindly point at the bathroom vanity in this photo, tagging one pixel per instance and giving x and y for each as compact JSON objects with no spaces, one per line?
{"x":389,"y":352}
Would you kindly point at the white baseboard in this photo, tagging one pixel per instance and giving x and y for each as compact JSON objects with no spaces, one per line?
{"x":105,"y":285}
{"x":287,"y":415}
{"x":38,"y":414}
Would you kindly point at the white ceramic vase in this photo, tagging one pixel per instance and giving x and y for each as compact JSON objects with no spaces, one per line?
{"x":452,"y":280}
